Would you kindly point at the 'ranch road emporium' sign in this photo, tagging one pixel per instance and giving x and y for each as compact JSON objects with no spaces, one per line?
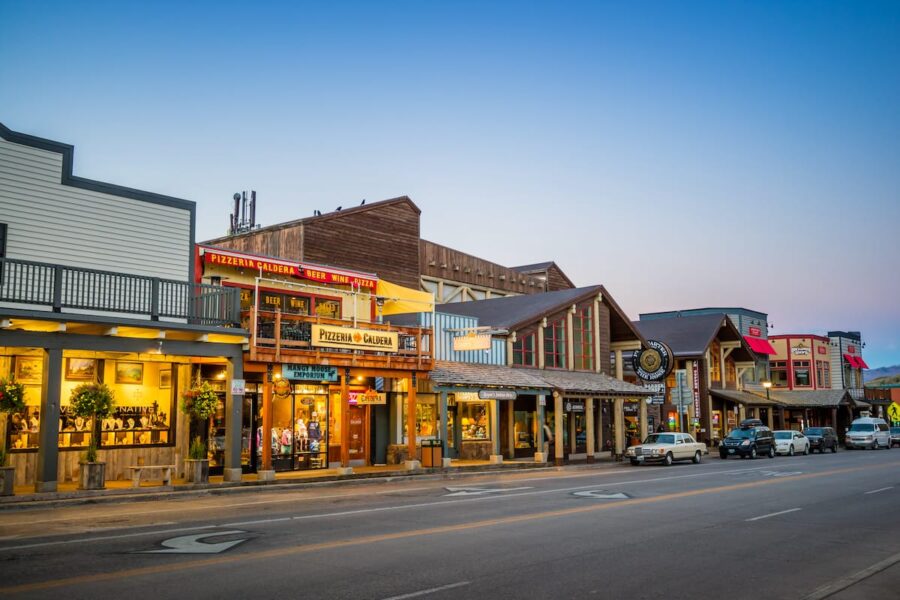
{"x":654,"y":362}
{"x":328,"y":336}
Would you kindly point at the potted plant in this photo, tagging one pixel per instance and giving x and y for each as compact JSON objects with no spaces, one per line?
{"x":12,"y":400}
{"x":199,"y":403}
{"x":92,"y":401}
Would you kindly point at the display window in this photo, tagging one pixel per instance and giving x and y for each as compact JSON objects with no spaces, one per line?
{"x":426,"y":417}
{"x":299,"y":434}
{"x":524,"y":350}
{"x":475,"y":419}
{"x":802,"y":377}
{"x":583,"y":337}
{"x":330,"y":309}
{"x":778,"y":369}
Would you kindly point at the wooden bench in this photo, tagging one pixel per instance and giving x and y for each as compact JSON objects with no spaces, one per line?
{"x":137,"y":471}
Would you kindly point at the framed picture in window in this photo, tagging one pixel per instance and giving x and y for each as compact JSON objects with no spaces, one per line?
{"x":165,"y":379}
{"x":29,"y":369}
{"x":81,"y":369}
{"x":129,"y":372}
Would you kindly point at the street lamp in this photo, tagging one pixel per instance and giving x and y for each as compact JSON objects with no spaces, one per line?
{"x":767,"y":384}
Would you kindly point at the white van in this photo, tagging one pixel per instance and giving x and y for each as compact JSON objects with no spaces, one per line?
{"x":868,"y":432}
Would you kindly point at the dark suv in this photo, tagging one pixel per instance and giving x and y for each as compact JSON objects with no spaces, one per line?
{"x":821,"y":439}
{"x":751,"y":439}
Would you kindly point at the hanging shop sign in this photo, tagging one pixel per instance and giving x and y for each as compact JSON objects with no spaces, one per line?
{"x":367,"y":397}
{"x":273,"y":266}
{"x":697,"y":390}
{"x":654,"y":362}
{"x":329,"y":336}
{"x":659,"y":391}
{"x":309,"y":372}
{"x":574,"y":406}
{"x":471,"y":341}
{"x":282,"y":387}
{"x":497,"y":394}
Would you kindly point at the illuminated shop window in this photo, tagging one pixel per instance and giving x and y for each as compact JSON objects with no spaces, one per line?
{"x":426,"y":416}
{"x":475,"y":419}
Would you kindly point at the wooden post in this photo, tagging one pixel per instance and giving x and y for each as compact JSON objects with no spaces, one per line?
{"x":557,"y":428}
{"x":589,"y":433}
{"x":345,"y":419}
{"x":620,"y":368}
{"x":277,"y":335}
{"x":643,"y":413}
{"x":411,"y":417}
{"x":267,"y":426}
{"x":619,"y":427}
{"x":48,"y":451}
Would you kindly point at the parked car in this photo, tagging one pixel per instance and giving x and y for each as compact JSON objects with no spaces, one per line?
{"x":666,"y":448}
{"x":821,"y":439}
{"x":751,"y":439}
{"x":895,"y":436}
{"x":868,"y":432}
{"x":790,"y":442}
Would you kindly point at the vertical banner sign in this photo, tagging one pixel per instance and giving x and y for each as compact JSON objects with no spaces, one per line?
{"x":697,"y":389}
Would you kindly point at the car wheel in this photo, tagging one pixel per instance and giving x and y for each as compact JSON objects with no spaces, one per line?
{"x":668,"y":460}
{"x":771,"y":451}
{"x":791,"y":450}
{"x":635,"y":462}
{"x":752,"y":453}
{"x":723,"y":455}
{"x":806,"y":450}
{"x":834,"y":449}
{"x":697,"y":457}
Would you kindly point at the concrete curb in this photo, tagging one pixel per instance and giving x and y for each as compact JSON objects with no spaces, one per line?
{"x":110,"y":496}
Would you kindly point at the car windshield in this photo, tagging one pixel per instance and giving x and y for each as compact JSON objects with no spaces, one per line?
{"x":862,"y":427}
{"x":895,"y":429}
{"x":783,"y":435}
{"x":814,"y":431}
{"x":741,"y":434}
{"x":660,"y":438}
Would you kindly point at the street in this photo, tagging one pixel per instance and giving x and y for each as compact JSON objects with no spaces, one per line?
{"x":800,"y":527}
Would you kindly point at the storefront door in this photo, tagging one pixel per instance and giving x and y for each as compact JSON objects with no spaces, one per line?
{"x":453,"y":432}
{"x":524,"y":432}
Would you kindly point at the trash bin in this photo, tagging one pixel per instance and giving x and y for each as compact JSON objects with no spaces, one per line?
{"x":432,"y":453}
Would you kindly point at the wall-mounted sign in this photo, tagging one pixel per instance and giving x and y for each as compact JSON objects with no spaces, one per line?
{"x":329,"y":336}
{"x":282,"y":387}
{"x":497,"y":394}
{"x":654,"y":362}
{"x":339,"y":277}
{"x":800,"y":350}
{"x":274,"y":266}
{"x":471,"y":341}
{"x":659,"y":391}
{"x":238,"y":387}
{"x":697,"y":389}
{"x":851,"y":349}
{"x":822,"y":350}
{"x":574,"y":406}
{"x":367,"y":397}
{"x":755,"y":331}
{"x":309,"y":372}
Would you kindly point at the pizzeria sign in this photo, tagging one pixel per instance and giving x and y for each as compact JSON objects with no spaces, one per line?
{"x":330,"y":336}
{"x":274,"y":266}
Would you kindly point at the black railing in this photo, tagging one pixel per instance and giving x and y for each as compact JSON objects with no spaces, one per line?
{"x":60,"y":287}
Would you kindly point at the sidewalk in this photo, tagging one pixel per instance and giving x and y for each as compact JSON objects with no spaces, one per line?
{"x":123,"y":491}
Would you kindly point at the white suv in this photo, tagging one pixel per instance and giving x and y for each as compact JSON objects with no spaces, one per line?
{"x":868,"y":432}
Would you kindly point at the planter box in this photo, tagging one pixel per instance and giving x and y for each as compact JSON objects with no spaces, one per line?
{"x":92,"y":476}
{"x":196,"y":470}
{"x":7,"y":480}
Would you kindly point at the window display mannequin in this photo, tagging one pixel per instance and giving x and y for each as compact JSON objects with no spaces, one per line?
{"x":314,"y":432}
{"x":302,"y":435}
{"x":286,"y":440}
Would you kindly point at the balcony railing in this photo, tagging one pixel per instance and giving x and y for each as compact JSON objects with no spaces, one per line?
{"x":61,"y":287}
{"x":857,"y":393}
{"x":289,"y":333}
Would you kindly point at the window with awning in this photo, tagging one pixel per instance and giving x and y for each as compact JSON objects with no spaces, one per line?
{"x":759,"y":345}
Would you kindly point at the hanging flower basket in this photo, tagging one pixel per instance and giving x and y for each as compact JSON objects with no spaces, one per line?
{"x":92,"y":400}
{"x":12,"y":396}
{"x":200,"y":402}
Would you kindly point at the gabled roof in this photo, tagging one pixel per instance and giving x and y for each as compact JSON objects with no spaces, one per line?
{"x":687,"y":312}
{"x":543,"y":267}
{"x":689,"y":336}
{"x":515,"y":312}
{"x":337,"y":214}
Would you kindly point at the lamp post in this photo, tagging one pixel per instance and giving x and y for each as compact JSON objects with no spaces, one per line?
{"x":767,"y":383}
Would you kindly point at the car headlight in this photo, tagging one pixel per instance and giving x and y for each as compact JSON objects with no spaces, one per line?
{"x":745,"y":443}
{"x":661,"y":451}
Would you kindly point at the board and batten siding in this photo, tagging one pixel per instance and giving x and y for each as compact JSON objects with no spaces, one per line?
{"x":443,"y":340}
{"x":52,"y":222}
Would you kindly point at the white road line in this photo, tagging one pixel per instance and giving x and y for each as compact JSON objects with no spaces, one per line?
{"x":783,"y":512}
{"x":108,"y":537}
{"x":841,"y":584}
{"x":884,"y":489}
{"x":430,"y":591}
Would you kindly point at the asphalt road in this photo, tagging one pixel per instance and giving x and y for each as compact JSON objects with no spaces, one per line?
{"x":819,"y":526}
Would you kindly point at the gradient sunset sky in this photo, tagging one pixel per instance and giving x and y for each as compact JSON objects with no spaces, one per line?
{"x":684,"y":154}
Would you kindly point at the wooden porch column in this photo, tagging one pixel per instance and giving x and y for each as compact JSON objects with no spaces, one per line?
{"x":557,"y":428}
{"x":643,"y":412}
{"x":771,"y":414}
{"x":589,"y":433}
{"x":834,"y":419}
{"x":345,"y":419}
{"x":619,"y":425}
{"x":620,"y":366}
{"x":539,"y":449}
{"x":781,"y":418}
{"x":234,"y":409}
{"x":411,"y":421}
{"x":510,"y":428}
{"x":444,"y":420}
{"x":599,"y":426}
{"x":45,"y":477}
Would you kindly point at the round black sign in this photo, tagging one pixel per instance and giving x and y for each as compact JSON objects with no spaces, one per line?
{"x":653,"y":363}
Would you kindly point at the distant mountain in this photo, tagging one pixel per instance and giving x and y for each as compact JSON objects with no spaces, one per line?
{"x":871,"y":374}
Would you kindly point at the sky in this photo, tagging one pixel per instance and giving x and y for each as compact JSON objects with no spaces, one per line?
{"x":683,"y":154}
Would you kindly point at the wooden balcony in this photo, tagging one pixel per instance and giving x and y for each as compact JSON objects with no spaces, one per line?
{"x":286,"y":337}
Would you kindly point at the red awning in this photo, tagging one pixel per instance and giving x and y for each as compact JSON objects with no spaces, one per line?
{"x":862,"y":363}
{"x":854,"y":362}
{"x":759,"y":345}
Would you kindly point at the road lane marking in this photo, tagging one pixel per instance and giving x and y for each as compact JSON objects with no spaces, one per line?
{"x":884,"y":489}
{"x":601,"y":495}
{"x":775,"y":514}
{"x":281,"y":552}
{"x":842,"y":584}
{"x":192,"y":544}
{"x":480,"y":491}
{"x":430,"y":591}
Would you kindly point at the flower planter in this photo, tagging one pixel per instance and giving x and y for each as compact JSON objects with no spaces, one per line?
{"x":7,"y":480}
{"x":196,"y":470}
{"x":92,"y":476}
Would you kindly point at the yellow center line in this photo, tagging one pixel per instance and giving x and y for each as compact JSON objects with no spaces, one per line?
{"x":387,"y":537}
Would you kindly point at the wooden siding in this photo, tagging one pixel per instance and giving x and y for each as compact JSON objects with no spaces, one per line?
{"x":284,"y":242}
{"x":443,"y":347}
{"x":605,"y":341}
{"x":448,"y":264}
{"x":557,"y":280}
{"x":55,"y":223}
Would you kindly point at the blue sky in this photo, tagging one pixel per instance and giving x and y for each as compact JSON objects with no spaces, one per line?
{"x":683,"y":154}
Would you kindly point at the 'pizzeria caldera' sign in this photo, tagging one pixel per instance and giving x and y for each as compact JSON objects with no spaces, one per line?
{"x":328,"y":336}
{"x":654,"y":362}
{"x":290,"y":269}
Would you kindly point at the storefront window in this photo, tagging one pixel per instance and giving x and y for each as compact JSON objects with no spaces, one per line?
{"x":426,"y":417}
{"x":523,"y":350}
{"x":779,"y":373}
{"x":330,"y":309}
{"x":824,"y":373}
{"x":299,"y":437}
{"x":555,"y":345}
{"x":801,"y":373}
{"x":583,"y":336}
{"x":475,"y":418}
